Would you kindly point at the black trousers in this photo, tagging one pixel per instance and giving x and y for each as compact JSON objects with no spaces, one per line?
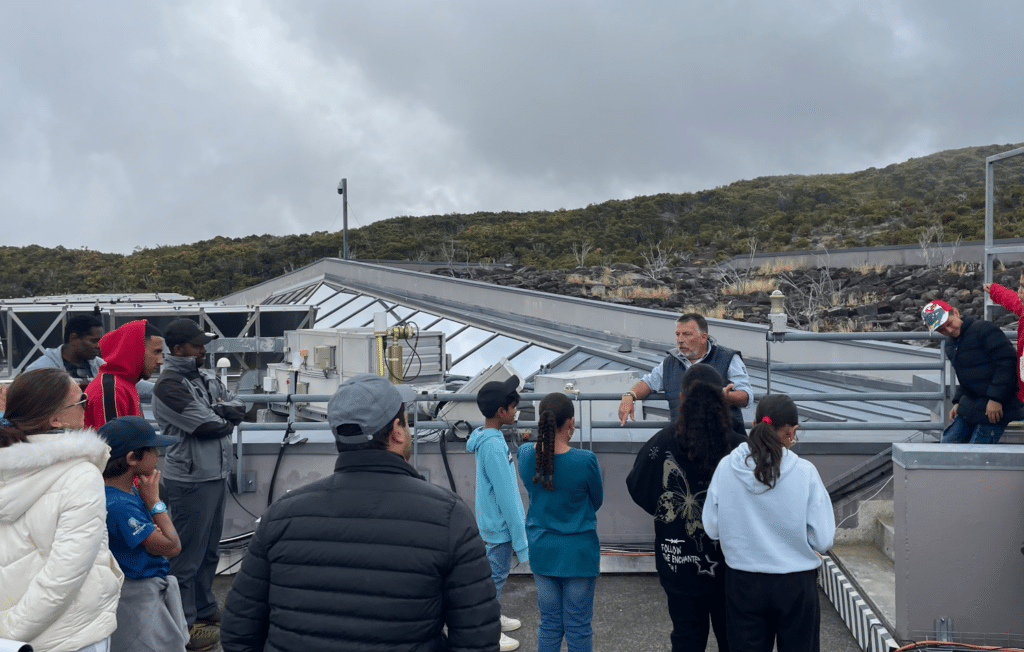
{"x":763,"y":608}
{"x":690,"y":615}
{"x":197,"y":511}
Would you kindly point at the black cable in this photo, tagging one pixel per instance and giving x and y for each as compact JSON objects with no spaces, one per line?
{"x":241,"y":539}
{"x":444,"y":452}
{"x":225,"y":571}
{"x":277,"y":465}
{"x":235,"y":498}
{"x":444,"y":456}
{"x":415,"y":352}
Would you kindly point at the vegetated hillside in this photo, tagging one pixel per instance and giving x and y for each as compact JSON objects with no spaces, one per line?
{"x":893,"y":205}
{"x":941,"y":196}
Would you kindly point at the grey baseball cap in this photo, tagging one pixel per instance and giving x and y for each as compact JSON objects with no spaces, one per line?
{"x":367,"y":401}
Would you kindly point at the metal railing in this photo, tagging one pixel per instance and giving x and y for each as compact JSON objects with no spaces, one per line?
{"x":800,"y":336}
{"x":292,"y":424}
{"x":587,"y":424}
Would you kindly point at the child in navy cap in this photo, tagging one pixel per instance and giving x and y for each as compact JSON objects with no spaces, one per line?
{"x":142,"y":537}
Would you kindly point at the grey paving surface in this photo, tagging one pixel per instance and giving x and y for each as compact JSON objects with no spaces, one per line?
{"x":629,"y":614}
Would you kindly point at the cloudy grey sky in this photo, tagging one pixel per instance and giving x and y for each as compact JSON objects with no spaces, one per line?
{"x":127,"y":124}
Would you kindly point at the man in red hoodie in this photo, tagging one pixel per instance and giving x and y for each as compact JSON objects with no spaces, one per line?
{"x":1014,"y":302}
{"x":130,"y":353}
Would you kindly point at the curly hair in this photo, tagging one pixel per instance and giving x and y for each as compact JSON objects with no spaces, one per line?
{"x":32,"y":399}
{"x":555,"y":410}
{"x":765,"y":444}
{"x":704,"y":421}
{"x":81,"y":325}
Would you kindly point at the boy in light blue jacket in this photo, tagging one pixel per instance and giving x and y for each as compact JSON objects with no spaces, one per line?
{"x":500,"y":516}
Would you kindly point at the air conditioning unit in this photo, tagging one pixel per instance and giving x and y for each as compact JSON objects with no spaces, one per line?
{"x":467,"y":410}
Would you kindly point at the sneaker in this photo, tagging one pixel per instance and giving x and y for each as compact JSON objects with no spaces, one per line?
{"x":509,"y":624}
{"x":205,"y":638}
{"x":212,"y":619}
{"x":507,"y":644}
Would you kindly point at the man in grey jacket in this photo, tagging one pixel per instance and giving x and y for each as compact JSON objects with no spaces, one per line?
{"x":192,"y":404}
{"x":80,"y":353}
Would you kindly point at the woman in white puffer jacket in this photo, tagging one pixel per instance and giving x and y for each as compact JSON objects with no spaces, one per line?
{"x":59,"y":584}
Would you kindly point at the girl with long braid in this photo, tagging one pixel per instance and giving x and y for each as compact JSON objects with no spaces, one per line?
{"x":773,"y":516}
{"x":566,"y":491}
{"x":669,"y":480}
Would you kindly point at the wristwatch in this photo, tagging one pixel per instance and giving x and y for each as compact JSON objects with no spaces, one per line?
{"x":630,"y":393}
{"x":157,"y":508}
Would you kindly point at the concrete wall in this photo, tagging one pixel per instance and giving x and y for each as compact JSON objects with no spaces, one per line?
{"x":959,"y":522}
{"x":620,"y":521}
{"x":934,"y":254}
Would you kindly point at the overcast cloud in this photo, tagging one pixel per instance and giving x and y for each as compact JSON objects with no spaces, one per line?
{"x":127,"y":124}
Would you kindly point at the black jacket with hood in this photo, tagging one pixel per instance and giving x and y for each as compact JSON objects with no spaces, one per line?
{"x":986,"y":369}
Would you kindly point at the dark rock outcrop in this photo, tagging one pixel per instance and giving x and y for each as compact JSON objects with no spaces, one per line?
{"x":825,"y":299}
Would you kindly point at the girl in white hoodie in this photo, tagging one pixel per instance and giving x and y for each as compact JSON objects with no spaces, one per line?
{"x":772,"y":515}
{"x":59,"y":584}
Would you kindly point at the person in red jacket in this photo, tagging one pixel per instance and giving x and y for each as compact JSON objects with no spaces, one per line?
{"x":1014,"y":302}
{"x":130,"y":353}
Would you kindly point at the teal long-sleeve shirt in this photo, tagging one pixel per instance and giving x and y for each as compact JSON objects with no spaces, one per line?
{"x":561,"y":525}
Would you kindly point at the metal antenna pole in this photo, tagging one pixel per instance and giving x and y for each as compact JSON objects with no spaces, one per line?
{"x":343,"y":191}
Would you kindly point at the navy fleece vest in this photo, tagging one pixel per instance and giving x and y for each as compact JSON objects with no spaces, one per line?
{"x":718,"y":357}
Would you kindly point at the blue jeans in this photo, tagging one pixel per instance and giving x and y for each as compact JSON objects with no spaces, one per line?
{"x":961,"y":432}
{"x":566,"y":606}
{"x":500,"y":556}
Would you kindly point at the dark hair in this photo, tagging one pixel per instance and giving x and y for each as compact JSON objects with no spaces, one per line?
{"x":81,"y":325}
{"x":380,"y":438}
{"x":704,"y":421}
{"x":765,"y":444}
{"x":152,"y":331}
{"x":702,"y":324}
{"x":120,"y":466}
{"x":511,"y":400}
{"x":32,"y":399}
{"x":555,"y":410}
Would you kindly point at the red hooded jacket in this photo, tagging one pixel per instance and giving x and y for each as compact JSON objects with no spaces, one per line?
{"x":112,"y":393}
{"x":1008,"y":299}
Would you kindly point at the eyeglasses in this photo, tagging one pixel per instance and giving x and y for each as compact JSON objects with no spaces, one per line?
{"x":83,"y":402}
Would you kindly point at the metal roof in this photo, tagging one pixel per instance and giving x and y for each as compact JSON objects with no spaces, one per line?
{"x":543,"y":333}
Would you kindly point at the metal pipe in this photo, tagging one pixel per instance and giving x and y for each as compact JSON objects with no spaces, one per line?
{"x":852,"y":366}
{"x":803,"y":336}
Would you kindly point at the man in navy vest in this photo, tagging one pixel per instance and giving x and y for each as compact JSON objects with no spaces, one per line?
{"x":694,"y":345}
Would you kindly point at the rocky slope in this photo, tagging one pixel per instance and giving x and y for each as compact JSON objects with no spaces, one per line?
{"x":881,"y":299}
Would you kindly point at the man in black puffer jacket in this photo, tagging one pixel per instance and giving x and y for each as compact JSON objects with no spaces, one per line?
{"x":986,"y":372}
{"x":370,"y":558}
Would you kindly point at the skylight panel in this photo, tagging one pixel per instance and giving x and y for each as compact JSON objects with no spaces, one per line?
{"x":464,"y":342}
{"x":322,"y":293}
{"x":528,"y":362}
{"x":340,"y":307}
{"x":487,"y":354}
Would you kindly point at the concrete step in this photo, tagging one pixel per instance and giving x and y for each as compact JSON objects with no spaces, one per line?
{"x":864,"y":574}
{"x":874,"y":576}
{"x":884,"y":533}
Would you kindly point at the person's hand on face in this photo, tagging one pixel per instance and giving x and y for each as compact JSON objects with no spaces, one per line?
{"x":149,"y":485}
